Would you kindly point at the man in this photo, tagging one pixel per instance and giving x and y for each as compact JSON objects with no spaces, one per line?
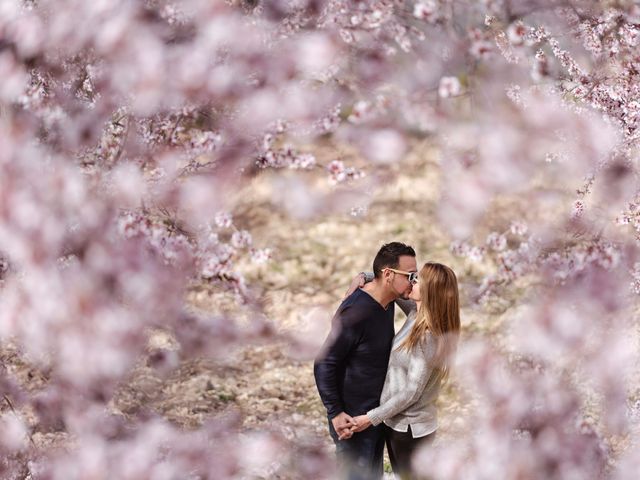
{"x":351,"y":371}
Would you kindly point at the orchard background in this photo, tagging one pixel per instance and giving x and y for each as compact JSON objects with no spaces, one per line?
{"x":187,"y":188}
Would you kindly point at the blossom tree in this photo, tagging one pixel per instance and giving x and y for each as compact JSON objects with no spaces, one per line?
{"x":126,"y":127}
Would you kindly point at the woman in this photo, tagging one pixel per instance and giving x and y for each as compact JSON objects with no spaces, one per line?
{"x":420,"y":358}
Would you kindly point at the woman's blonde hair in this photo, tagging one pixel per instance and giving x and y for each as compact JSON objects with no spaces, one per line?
{"x":439,"y":313}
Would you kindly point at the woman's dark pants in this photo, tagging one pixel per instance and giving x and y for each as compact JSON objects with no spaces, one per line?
{"x":401,"y":447}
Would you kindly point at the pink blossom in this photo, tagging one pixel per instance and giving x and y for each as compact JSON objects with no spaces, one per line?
{"x":481,"y":49}
{"x":241,"y":239}
{"x":385,"y":146}
{"x":261,"y":256}
{"x":361,"y":110}
{"x":340,"y":173}
{"x":14,"y":77}
{"x":425,"y":10}
{"x":330,"y":122}
{"x":336,"y":167}
{"x":516,"y":33}
{"x":496,"y":241}
{"x":125,"y":130}
{"x":449,"y":87}
{"x":459,"y":248}
{"x":518,"y":228}
{"x":14,"y":433}
{"x":475,"y":254}
{"x":540,"y":67}
{"x":223,"y":220}
{"x":317,"y":53}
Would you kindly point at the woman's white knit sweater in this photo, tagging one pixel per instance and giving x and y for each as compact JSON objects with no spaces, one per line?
{"x":411,"y":386}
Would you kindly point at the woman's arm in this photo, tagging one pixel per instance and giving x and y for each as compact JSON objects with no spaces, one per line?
{"x":407,"y":306}
{"x":418,"y":375}
{"x":358,"y":281}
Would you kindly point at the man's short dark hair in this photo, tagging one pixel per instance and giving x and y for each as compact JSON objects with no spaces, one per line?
{"x":389,"y":256}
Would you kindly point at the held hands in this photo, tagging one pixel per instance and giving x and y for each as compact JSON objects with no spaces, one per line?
{"x":361,"y":422}
{"x":342,"y":423}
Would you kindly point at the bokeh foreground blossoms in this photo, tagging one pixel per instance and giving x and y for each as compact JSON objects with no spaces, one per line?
{"x":126,"y":127}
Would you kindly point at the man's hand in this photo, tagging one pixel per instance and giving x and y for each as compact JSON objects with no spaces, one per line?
{"x":357,"y":282}
{"x":362,"y":422}
{"x":342,"y":423}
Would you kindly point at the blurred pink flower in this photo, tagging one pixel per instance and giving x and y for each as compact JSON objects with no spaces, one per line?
{"x":449,"y":87}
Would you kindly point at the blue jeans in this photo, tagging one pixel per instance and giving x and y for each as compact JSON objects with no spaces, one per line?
{"x":360,"y":457}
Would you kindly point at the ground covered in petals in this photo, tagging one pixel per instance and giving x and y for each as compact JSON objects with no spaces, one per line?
{"x":272,"y":385}
{"x":269,"y":386}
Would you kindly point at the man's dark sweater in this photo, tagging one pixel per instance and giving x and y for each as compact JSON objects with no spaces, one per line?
{"x":351,"y":373}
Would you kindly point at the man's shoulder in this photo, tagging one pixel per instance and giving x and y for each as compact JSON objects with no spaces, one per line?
{"x":355,"y":307}
{"x":361,"y":306}
{"x":358,"y":300}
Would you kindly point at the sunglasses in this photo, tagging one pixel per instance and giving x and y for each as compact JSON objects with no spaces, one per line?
{"x":412,"y":276}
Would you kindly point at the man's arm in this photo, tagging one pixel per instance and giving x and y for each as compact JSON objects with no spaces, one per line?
{"x":344,"y":335}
